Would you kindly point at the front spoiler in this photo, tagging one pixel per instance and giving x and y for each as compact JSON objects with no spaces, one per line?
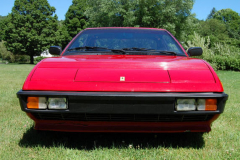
{"x":125,"y":127}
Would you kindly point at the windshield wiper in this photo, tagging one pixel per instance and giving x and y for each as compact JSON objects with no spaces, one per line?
{"x":137,"y":49}
{"x":88,"y":48}
{"x":162,"y":52}
{"x":118,"y":51}
{"x":149,"y":51}
{"x":168,"y":52}
{"x":97,"y":48}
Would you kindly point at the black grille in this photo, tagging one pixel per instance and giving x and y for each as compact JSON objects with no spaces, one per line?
{"x":122,"y":117}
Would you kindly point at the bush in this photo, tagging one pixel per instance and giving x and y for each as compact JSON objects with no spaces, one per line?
{"x":8,"y":56}
{"x":5,"y":55}
{"x":38,"y":59}
{"x":198,"y":41}
{"x":220,"y":56}
{"x":22,"y":59}
{"x":226,"y":63}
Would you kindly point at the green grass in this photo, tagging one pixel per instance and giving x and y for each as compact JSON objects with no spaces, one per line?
{"x":18,"y":139}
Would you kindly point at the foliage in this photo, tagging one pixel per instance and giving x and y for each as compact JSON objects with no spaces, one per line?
{"x":227,"y":58}
{"x":105,"y":13}
{"x":75,"y":19}
{"x":8,"y":56}
{"x":62,"y":36}
{"x":221,"y":56}
{"x":193,"y":25}
{"x":21,"y":59}
{"x":5,"y":54}
{"x":31,"y":28}
{"x":221,"y":27}
{"x":214,"y":29}
{"x":38,"y":59}
{"x":199,"y":41}
{"x":2,"y":17}
{"x":232,"y":21}
{"x":171,"y":15}
{"x":3,"y":22}
{"x":213,"y":11}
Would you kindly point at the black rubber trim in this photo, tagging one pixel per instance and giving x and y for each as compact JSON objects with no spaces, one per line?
{"x":121,"y":102}
{"x":123,"y":94}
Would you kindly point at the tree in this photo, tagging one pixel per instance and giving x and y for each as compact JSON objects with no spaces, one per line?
{"x":211,"y":15}
{"x":62,"y":36}
{"x":227,"y":15}
{"x":215,"y":29}
{"x":2,"y":18}
{"x":31,"y":28}
{"x":3,"y":22}
{"x":192,"y":25}
{"x":111,"y":13}
{"x":232,"y":21}
{"x":75,"y":19}
{"x":167,"y":14}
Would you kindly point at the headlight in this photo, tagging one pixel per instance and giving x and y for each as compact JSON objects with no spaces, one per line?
{"x":57,"y":103}
{"x":36,"y":102}
{"x":207,"y":104}
{"x":185,"y":105}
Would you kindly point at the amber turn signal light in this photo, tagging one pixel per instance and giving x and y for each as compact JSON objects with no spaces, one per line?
{"x":207,"y":104}
{"x":211,"y":104}
{"x":36,"y":103}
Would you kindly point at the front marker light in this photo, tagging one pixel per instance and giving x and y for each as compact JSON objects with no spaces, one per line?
{"x":207,"y":104}
{"x":36,"y":102}
{"x":57,"y":103}
{"x":185,"y":105}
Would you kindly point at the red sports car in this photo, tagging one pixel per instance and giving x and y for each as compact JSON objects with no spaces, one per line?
{"x":123,"y":80}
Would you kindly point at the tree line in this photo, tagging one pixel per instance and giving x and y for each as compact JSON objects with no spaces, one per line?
{"x":33,"y":26}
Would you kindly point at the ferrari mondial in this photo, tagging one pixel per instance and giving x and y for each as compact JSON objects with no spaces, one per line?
{"x":123,"y":80}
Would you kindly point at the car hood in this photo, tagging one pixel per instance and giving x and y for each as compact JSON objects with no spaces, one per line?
{"x":123,"y":73}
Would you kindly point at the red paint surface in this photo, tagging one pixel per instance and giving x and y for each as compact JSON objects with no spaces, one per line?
{"x":142,"y":74}
{"x":191,"y":76}
{"x":130,"y":75}
{"x":141,"y":127}
{"x":54,"y":74}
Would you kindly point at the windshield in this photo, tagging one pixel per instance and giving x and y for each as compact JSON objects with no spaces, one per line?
{"x":125,"y":41}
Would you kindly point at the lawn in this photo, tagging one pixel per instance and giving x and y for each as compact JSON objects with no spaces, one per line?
{"x":18,"y":139}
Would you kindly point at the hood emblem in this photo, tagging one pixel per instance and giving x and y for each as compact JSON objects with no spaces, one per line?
{"x":122,"y":78}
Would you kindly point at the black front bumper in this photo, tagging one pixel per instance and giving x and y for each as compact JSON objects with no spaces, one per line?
{"x":122,"y":106}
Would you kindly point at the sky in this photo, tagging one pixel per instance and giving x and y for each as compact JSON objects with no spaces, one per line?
{"x":201,"y":8}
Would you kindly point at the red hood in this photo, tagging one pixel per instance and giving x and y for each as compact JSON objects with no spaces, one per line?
{"x":123,"y":73}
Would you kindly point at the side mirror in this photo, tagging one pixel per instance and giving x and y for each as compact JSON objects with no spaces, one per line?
{"x":55,"y":50}
{"x":195,"y":51}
